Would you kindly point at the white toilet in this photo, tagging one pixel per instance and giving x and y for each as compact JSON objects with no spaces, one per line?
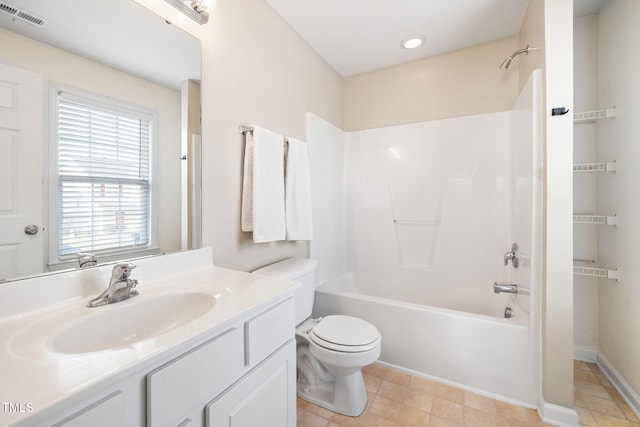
{"x":332,"y":350}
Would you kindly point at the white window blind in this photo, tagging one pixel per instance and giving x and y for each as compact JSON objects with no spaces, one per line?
{"x":103,"y":178}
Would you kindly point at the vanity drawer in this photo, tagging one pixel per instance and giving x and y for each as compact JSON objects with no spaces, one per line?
{"x":108,"y":411}
{"x":266,"y":332}
{"x":174,"y":389}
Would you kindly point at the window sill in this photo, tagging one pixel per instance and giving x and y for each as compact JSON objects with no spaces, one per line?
{"x":105,"y":258}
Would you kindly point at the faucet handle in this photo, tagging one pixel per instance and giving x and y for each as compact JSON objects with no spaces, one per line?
{"x":512,"y":256}
{"x":121,"y":271}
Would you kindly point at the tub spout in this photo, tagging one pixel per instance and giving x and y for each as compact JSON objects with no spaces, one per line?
{"x":510,"y":289}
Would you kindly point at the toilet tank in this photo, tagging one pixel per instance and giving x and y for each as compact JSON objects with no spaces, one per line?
{"x":299,"y":269}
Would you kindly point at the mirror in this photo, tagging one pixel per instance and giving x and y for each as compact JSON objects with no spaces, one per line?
{"x":116,"y":51}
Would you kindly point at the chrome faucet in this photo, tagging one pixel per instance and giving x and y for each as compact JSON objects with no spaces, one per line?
{"x":510,"y":289}
{"x":120,"y":286}
{"x":86,"y":259}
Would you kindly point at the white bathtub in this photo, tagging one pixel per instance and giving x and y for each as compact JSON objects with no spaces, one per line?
{"x":486,"y":354}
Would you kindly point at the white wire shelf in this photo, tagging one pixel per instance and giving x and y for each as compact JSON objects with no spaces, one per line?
{"x":595,"y":167}
{"x":586,"y":267}
{"x":595,"y":219}
{"x":592,"y":116}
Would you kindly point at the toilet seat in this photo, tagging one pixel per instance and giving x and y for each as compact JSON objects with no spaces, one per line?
{"x":345,"y":334}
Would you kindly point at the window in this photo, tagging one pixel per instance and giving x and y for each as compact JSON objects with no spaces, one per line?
{"x":103,"y":177}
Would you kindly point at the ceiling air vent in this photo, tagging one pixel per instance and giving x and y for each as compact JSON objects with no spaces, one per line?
{"x":22,"y":15}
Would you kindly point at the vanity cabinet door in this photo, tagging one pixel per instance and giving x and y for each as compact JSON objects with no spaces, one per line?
{"x":265,"y":397}
{"x":177,"y":389}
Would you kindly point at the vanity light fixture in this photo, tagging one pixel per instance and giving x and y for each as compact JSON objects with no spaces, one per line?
{"x":194,"y":9}
{"x":412,"y":42}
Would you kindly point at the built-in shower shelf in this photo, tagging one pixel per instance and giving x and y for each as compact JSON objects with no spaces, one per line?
{"x":584,"y":267}
{"x":416,"y":241}
{"x":594,"y":219}
{"x":595,"y":167}
{"x":592,"y":116}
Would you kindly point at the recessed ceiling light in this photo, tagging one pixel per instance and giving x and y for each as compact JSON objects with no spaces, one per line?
{"x":412,"y":42}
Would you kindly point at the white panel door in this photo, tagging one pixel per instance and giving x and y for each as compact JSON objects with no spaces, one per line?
{"x":21,"y":148}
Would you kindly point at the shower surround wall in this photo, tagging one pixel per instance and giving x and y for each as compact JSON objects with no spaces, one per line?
{"x":433,"y":207}
{"x":429,"y":210}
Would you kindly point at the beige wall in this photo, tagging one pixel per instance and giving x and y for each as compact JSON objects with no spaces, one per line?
{"x":255,"y":69}
{"x":56,"y":65}
{"x":532,"y":34}
{"x":463,"y":82}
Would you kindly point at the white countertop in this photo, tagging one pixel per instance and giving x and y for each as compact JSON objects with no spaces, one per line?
{"x":32,"y":371}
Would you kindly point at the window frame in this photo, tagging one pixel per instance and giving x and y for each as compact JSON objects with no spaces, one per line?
{"x":56,"y":261}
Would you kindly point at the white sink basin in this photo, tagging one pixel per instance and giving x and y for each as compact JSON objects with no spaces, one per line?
{"x":137,"y":319}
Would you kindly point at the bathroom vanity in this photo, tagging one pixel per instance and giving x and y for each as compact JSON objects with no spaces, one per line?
{"x":205,"y":346}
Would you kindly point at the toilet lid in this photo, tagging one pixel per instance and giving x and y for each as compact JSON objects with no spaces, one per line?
{"x":345,"y":333}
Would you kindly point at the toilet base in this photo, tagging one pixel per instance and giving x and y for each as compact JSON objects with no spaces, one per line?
{"x":346,"y":395}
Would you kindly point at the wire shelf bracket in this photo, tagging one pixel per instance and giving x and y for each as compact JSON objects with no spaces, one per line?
{"x":583,"y":267}
{"x":595,"y":219}
{"x":592,"y":116}
{"x":595,"y":167}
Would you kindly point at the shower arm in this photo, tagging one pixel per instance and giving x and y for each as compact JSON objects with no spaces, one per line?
{"x":525,"y":50}
{"x":507,"y":62}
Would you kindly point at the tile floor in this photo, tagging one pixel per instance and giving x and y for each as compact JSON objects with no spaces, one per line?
{"x":597,"y":402}
{"x":397,"y":398}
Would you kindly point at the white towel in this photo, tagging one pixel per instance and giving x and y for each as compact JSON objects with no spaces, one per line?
{"x":263,"y":186}
{"x":247,"y":185}
{"x":298,"y":191}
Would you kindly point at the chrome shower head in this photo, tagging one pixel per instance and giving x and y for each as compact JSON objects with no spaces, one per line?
{"x":507,"y":62}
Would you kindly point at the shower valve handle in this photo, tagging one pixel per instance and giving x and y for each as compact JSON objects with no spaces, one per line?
{"x":512,"y":256}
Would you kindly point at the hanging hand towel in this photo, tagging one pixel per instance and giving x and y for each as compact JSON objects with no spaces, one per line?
{"x":263,"y":187}
{"x":298,"y":192}
{"x":247,"y":185}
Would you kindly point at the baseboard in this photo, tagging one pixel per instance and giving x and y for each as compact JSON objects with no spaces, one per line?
{"x":585,"y":353}
{"x":556,"y":415}
{"x":623,"y":387}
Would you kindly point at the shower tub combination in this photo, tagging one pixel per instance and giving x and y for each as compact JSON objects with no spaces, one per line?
{"x":479,"y":352}
{"x":431,"y":210}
